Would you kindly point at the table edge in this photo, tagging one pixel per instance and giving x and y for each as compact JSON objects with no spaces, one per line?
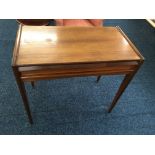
{"x":76,"y":63}
{"x":16,"y":46}
{"x":130,"y":43}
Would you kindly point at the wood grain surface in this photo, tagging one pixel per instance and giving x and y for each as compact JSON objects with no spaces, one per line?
{"x":41,"y":45}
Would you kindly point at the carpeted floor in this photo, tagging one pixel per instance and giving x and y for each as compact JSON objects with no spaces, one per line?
{"x":79,"y":105}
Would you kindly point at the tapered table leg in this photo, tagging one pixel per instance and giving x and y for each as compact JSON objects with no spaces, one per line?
{"x":22,"y":90}
{"x":124,"y":84}
{"x":121,"y":89}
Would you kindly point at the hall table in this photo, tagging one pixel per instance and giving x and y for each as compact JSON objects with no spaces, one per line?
{"x":50,"y":52}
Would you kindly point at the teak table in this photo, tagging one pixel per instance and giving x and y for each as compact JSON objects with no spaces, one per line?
{"x":50,"y":52}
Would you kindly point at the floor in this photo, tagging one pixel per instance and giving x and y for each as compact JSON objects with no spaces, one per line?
{"x":79,"y":105}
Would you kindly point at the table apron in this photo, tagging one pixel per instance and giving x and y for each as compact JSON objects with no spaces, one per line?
{"x":50,"y":75}
{"x":33,"y":73}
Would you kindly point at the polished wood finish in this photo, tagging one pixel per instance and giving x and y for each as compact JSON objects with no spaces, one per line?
{"x":61,"y":45}
{"x":42,"y":53}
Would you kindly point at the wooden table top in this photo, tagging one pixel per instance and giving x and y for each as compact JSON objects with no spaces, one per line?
{"x":39,"y":45}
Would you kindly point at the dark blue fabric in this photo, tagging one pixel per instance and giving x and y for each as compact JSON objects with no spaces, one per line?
{"x":79,"y":105}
